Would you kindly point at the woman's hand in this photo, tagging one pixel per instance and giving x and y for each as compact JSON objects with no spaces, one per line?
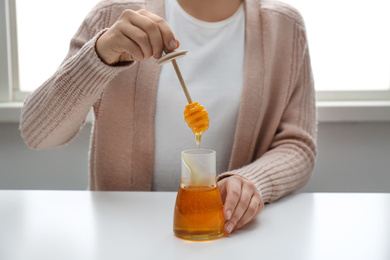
{"x":135,"y":36}
{"x":242,"y":202}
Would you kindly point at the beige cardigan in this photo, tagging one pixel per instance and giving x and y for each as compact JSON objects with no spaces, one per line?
{"x":275,"y":140}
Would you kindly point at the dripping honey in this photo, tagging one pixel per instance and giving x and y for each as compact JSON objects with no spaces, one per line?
{"x":198,"y":213}
{"x":197,"y":139}
{"x":197,"y":119}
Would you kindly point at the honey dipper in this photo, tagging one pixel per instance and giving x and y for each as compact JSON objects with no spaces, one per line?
{"x":194,"y":114}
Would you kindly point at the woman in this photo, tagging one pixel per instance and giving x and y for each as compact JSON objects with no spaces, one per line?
{"x":248,"y":64}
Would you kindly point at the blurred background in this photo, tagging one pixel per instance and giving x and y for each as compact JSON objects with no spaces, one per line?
{"x":350,"y":53}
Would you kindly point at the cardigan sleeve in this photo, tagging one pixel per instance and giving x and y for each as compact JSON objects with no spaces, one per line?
{"x":290,"y":159}
{"x":54,"y":113}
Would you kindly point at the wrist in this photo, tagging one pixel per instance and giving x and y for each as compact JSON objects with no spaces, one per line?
{"x":99,"y":47}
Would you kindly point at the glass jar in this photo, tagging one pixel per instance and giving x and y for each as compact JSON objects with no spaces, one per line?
{"x":198,"y":210}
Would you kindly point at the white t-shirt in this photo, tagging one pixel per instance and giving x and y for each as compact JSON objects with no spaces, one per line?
{"x":213,"y":72}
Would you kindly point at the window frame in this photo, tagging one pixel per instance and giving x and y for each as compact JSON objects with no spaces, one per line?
{"x":9,"y":25}
{"x":353,"y":96}
{"x":5,"y":91}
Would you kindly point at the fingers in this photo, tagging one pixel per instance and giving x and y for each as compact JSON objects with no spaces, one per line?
{"x":253,"y":210}
{"x":242,"y":202}
{"x":137,"y":47}
{"x":136,"y":35}
{"x":233,"y":194}
{"x":159,"y":31}
{"x":144,"y":32}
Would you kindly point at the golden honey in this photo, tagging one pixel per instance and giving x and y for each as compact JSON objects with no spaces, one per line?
{"x":197,"y":119}
{"x":198,"y":213}
{"x":197,"y":139}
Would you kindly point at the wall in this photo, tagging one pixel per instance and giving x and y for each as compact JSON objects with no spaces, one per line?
{"x":59,"y":168}
{"x":353,"y":157}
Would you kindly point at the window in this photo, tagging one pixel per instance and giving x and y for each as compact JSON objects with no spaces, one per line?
{"x":349,"y":43}
{"x":39,"y":34}
{"x":348,"y":40}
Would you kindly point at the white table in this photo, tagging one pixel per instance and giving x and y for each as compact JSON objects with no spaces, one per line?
{"x":84,"y":225}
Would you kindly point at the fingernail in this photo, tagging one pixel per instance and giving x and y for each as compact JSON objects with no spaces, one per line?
{"x":172,"y":44}
{"x":228,"y":214}
{"x":230,"y":227}
{"x":158,"y":55}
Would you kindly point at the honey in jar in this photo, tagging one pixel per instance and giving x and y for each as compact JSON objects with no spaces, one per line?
{"x":198,"y":213}
{"x":198,"y":209}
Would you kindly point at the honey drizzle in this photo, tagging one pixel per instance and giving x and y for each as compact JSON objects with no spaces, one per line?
{"x":198,"y":136}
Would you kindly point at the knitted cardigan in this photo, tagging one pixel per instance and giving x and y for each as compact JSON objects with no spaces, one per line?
{"x":275,"y":139}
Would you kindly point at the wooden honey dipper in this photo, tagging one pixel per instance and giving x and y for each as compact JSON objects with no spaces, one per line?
{"x":195,"y":114}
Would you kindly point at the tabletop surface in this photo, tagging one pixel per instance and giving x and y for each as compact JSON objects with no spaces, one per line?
{"x":138,"y":225}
